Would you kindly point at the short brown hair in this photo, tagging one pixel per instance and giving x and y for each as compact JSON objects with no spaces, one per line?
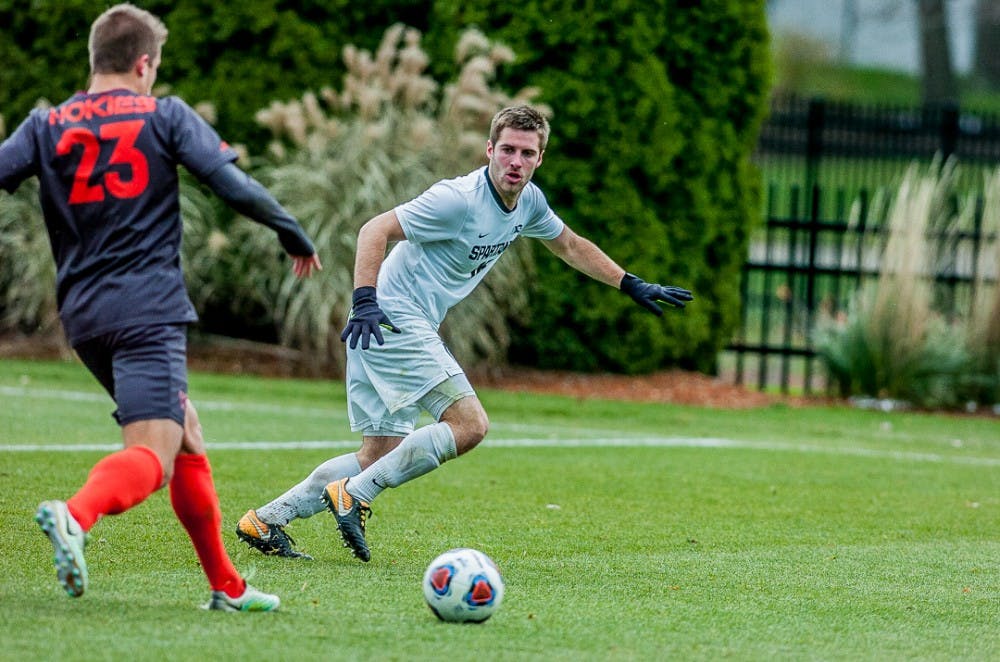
{"x":122,"y":35}
{"x":522,"y":118}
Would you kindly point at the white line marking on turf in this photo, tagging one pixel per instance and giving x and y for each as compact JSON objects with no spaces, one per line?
{"x":550,"y":440}
{"x":332,"y":413}
{"x":206,"y":405}
{"x":645,"y":442}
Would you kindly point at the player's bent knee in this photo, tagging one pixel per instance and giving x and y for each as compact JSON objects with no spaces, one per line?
{"x":480,"y":425}
{"x":469,"y":435}
{"x":480,"y":430}
{"x":194,"y":439}
{"x":469,"y":424}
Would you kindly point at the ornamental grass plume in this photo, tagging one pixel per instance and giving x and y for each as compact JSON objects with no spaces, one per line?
{"x":893,"y":342}
{"x":27,"y":273}
{"x":901,"y":310}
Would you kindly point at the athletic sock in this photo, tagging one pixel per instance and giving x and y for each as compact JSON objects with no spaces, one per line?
{"x":421,"y":451}
{"x":193,"y":496}
{"x":305,"y":499}
{"x":115,"y":484}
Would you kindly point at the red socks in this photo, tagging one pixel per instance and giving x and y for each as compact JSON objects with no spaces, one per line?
{"x":124,"y":479}
{"x":193,"y":496}
{"x":115,"y":484}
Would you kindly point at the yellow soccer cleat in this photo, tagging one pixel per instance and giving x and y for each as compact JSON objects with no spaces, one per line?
{"x":269,"y":539}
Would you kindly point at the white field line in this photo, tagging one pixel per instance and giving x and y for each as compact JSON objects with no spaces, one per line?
{"x":332,"y":413}
{"x":207,"y":405}
{"x":549,"y":440}
{"x":646,"y":442}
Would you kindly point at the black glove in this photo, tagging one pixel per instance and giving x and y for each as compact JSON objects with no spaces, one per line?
{"x":366,"y":320}
{"x":648,"y":295}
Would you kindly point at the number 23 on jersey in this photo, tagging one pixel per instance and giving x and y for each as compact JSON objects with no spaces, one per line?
{"x":124,"y":152}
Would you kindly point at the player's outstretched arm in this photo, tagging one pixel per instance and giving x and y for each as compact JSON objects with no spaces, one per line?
{"x":248,"y":197}
{"x":585,"y":256}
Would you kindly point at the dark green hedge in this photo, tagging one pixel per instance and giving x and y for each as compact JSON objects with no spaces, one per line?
{"x":656,"y":104}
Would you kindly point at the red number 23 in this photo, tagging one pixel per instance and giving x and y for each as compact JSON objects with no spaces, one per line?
{"x":124,"y":152}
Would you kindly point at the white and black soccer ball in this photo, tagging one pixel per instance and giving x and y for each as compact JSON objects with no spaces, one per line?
{"x":463,"y":586}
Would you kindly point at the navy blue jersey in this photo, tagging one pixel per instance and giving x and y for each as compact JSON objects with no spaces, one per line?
{"x":107,"y":169}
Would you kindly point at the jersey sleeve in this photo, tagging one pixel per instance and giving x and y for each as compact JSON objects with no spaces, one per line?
{"x":18,"y":157}
{"x":195,"y":143}
{"x":436,"y":214}
{"x":247,"y":196}
{"x":543,"y":223}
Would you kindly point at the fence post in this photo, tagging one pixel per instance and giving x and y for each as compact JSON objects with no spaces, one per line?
{"x":977,"y":242}
{"x":859,"y":249}
{"x":949,"y":130}
{"x":814,"y":140}
{"x":811,"y":276}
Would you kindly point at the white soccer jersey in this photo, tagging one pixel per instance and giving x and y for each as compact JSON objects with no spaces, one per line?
{"x":455,"y":232}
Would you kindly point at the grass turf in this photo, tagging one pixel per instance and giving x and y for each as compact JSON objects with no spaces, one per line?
{"x":813,"y":533}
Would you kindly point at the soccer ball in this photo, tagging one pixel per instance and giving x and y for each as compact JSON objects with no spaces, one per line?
{"x":463,"y":585}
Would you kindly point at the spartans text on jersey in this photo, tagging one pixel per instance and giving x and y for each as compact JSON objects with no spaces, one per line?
{"x":488,"y":251}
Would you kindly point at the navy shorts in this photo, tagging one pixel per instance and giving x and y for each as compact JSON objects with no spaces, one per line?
{"x":143,"y":368}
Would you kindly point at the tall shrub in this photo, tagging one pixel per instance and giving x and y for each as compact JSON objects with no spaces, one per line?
{"x":656,"y":108}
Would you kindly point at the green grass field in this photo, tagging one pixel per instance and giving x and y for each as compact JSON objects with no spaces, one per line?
{"x":624,"y":531}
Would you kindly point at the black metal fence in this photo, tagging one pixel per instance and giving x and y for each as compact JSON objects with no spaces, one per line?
{"x":827,"y":166}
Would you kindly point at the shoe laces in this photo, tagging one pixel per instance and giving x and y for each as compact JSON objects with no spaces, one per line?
{"x":283,"y":538}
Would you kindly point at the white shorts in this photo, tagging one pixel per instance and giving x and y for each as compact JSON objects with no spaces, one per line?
{"x":388,"y":385}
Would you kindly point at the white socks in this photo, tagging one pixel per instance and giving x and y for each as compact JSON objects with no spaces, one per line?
{"x":421,"y":451}
{"x":304,"y":500}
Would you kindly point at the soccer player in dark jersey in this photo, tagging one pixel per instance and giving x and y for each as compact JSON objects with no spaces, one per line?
{"x":106,"y":160}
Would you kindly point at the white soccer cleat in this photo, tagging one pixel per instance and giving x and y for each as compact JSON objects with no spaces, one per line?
{"x":68,"y":540}
{"x":251,"y":600}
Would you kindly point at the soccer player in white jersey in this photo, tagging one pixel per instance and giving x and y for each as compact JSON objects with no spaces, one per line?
{"x":449,"y":237}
